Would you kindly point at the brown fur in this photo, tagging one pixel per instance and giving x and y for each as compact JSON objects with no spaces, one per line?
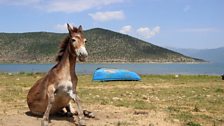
{"x":63,"y":47}
{"x":54,"y":91}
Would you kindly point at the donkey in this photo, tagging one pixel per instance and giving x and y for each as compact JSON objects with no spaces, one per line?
{"x":53,"y":92}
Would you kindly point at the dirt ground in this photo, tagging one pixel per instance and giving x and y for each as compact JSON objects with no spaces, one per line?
{"x":157,"y":100}
{"x":105,"y":115}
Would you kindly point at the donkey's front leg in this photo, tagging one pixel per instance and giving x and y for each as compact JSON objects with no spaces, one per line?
{"x":76,"y":99}
{"x":70,"y":110}
{"x":51,"y":99}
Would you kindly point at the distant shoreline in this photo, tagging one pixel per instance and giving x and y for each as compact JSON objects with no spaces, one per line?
{"x":110,"y":63}
{"x":140,"y":68}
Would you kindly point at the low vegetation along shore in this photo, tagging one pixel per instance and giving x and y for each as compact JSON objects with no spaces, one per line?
{"x":157,"y":100}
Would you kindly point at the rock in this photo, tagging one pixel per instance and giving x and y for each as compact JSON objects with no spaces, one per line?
{"x":144,"y":97}
{"x":203,"y":110}
{"x":115,"y":98}
{"x":176,"y":120}
{"x":208,"y":96}
{"x":157,"y":99}
{"x":141,"y":113}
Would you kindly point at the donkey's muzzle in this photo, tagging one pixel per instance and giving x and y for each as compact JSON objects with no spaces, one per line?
{"x":82,"y":53}
{"x":82,"y":58}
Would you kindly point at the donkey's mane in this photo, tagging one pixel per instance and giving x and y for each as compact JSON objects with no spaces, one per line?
{"x":63,"y":47}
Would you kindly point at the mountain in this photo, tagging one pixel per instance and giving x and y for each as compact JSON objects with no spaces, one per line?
{"x":103,"y":46}
{"x":211,"y":55}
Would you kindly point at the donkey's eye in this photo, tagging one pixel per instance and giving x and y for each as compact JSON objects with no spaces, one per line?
{"x":73,"y":40}
{"x":85,"y":40}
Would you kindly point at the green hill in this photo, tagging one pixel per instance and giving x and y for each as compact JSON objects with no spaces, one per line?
{"x":103,"y":46}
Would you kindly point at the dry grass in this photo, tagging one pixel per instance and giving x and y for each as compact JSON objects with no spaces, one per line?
{"x":190,"y":100}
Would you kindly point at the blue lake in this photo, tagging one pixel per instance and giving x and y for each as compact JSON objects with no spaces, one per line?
{"x":207,"y":68}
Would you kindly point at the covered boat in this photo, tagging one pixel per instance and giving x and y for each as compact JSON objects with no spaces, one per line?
{"x":106,"y":74}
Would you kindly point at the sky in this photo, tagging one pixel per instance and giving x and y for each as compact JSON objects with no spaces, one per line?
{"x":197,"y":24}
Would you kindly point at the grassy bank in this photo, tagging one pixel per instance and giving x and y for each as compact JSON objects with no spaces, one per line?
{"x":190,"y":99}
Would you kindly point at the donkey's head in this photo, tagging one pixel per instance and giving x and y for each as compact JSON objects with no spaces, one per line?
{"x":77,"y":42}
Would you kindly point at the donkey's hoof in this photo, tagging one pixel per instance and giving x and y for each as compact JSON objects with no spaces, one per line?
{"x":82,"y":123}
{"x":88,"y":114}
{"x":44,"y":123}
{"x":69,"y":114}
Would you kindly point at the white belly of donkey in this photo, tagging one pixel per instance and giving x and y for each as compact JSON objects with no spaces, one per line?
{"x":63,"y":94}
{"x":64,"y":87}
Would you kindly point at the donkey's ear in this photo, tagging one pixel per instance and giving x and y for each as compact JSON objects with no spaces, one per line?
{"x":70,"y":28}
{"x":80,"y":27}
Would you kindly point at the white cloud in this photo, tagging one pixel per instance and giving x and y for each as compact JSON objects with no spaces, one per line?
{"x":68,"y":6}
{"x":107,"y":16}
{"x":126,"y":29}
{"x":141,"y":32}
{"x":147,"y":32}
{"x":198,"y":30}
{"x":61,"y":27}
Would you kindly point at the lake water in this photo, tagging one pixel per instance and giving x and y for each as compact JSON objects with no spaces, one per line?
{"x":207,"y":68}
